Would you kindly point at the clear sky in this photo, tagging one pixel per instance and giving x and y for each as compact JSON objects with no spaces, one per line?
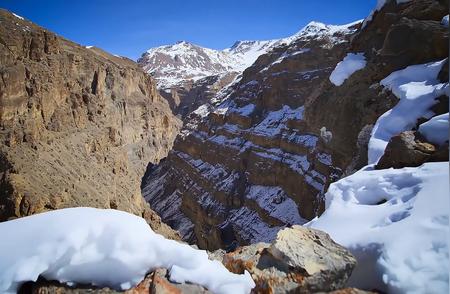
{"x":131,"y":27}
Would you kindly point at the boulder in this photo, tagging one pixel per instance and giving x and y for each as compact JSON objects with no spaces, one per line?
{"x":299,"y":260}
{"x":410,"y":149}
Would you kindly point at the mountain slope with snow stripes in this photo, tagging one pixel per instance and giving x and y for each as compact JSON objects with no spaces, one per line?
{"x":172,"y":65}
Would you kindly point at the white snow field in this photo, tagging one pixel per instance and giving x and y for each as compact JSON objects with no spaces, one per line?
{"x":396,"y":222}
{"x":436,"y":129}
{"x":344,"y":69}
{"x":102,"y":248}
{"x":417,"y":87}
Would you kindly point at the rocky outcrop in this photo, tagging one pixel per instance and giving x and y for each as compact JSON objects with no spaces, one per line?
{"x":187,"y":96}
{"x":262,"y":155}
{"x":387,"y":43}
{"x":411,"y":149}
{"x":77,"y":125}
{"x":300,"y":260}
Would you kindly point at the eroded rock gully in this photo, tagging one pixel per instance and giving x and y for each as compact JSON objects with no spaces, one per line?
{"x":264,"y":157}
{"x":77,"y":125}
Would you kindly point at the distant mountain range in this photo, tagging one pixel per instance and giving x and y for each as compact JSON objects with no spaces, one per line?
{"x":172,"y":65}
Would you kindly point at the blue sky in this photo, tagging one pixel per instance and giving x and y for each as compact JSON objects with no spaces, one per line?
{"x":130,"y":27}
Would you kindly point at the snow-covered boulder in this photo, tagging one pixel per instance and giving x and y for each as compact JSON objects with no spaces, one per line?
{"x":103,"y":248}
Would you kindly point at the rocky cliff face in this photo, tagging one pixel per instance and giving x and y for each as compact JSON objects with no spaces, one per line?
{"x":252,"y":165}
{"x":264,"y":156}
{"x":189,"y":75}
{"x":78,"y":125}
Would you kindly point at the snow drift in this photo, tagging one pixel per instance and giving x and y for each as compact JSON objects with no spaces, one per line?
{"x":396,"y":222}
{"x":103,"y":248}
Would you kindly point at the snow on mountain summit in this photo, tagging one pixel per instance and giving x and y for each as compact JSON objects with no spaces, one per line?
{"x":174,"y":64}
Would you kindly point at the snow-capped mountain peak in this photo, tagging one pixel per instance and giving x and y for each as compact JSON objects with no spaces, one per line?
{"x":183,"y":61}
{"x":317,"y":29}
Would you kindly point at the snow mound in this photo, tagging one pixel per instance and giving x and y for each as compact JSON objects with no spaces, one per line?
{"x":436,"y":129}
{"x":103,"y":248}
{"x":417,"y":87}
{"x":396,"y":222}
{"x":344,"y":69}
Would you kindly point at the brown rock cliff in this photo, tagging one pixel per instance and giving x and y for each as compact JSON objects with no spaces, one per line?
{"x":77,"y":125}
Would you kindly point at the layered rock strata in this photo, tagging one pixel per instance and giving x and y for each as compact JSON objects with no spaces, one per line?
{"x":263,"y":157}
{"x":251,"y":166}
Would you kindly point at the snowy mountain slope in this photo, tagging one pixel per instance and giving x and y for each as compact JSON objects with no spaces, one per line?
{"x":172,"y":65}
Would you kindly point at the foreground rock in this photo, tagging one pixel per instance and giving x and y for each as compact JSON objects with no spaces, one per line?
{"x":77,"y":125}
{"x":156,"y":282}
{"x":411,"y":149}
{"x":300,"y":260}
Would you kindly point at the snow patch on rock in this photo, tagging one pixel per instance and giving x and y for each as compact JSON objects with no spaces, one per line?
{"x":275,"y":121}
{"x":417,"y":87}
{"x":18,"y":16}
{"x":444,"y":21}
{"x":436,"y":129}
{"x":276,"y":203}
{"x":344,"y":69}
